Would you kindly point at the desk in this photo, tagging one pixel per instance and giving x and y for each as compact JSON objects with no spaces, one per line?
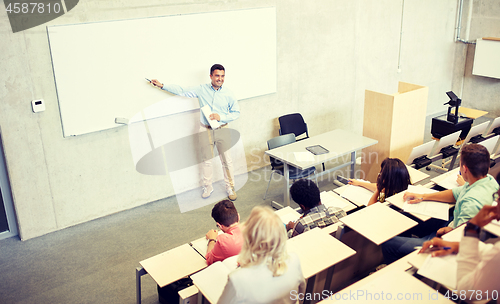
{"x":378,"y":222}
{"x":471,"y":113}
{"x":338,"y":142}
{"x":170,"y":266}
{"x":416,"y":175}
{"x":493,"y":229}
{"x":391,"y":280}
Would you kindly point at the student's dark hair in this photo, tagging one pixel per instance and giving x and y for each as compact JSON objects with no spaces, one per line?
{"x":476,"y":158}
{"x":216,"y":67}
{"x":393,"y":177}
{"x":305,"y":192}
{"x":225,"y":213}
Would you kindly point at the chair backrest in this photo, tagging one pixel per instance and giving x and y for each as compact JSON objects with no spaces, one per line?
{"x":278,"y":142}
{"x":293,"y":123}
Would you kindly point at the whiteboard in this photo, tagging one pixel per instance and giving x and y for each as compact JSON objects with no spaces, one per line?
{"x":487,"y":58}
{"x":100,"y":68}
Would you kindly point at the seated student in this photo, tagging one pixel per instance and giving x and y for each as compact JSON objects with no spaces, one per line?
{"x":392,"y":179}
{"x":306,"y":194}
{"x":476,"y":270}
{"x":228,"y":243}
{"x":267,"y":273}
{"x":468,"y":199}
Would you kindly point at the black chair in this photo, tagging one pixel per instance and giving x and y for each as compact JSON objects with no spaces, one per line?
{"x":293,"y":123}
{"x":278,"y":167}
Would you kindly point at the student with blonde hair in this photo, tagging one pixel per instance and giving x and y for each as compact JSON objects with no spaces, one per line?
{"x":266,"y":272}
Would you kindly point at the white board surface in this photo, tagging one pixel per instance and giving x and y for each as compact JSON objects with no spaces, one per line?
{"x":487,"y":58}
{"x":100,"y":68}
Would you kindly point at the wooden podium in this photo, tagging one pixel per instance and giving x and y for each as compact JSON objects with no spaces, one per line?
{"x":397,"y":121}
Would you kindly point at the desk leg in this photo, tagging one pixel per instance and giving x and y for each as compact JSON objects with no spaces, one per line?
{"x":353,"y":164}
{"x":329,"y":276}
{"x":286,"y":195}
{"x":452,"y":163}
{"x":309,"y":288}
{"x":139,"y":272}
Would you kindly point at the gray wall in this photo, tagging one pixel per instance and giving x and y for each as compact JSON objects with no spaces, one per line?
{"x":482,"y":21}
{"x":329,"y":52}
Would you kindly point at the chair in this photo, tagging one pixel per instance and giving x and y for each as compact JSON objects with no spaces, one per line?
{"x":278,"y":167}
{"x":293,"y":123}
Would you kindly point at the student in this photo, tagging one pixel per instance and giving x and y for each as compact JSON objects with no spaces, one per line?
{"x":477,"y":270}
{"x":468,"y":199}
{"x":228,"y":243}
{"x":267,"y":273}
{"x":306,"y":194}
{"x":392,"y":179}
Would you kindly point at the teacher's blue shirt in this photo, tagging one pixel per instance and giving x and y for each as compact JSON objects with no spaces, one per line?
{"x":221,"y":101}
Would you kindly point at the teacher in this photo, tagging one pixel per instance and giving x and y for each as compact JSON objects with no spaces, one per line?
{"x":225,"y":109}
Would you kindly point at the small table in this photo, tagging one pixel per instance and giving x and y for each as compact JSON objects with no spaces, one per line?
{"x":493,"y":229}
{"x":170,"y":266}
{"x":338,"y":142}
{"x":378,"y":222}
{"x":390,"y":282}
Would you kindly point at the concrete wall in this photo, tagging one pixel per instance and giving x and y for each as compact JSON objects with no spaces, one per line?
{"x":482,"y":19}
{"x":329,"y":52}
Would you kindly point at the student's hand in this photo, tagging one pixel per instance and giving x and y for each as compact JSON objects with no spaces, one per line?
{"x":156,"y":83}
{"x":460,"y":180}
{"x":442,"y":231}
{"x":437,"y":247}
{"x":290,"y":225}
{"x":354,"y":182}
{"x":413,"y":198}
{"x":214,"y":116}
{"x":211,"y":234}
{"x":485,"y":216}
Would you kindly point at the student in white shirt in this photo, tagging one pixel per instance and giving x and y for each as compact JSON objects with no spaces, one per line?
{"x":478,"y":271}
{"x":267,"y":273}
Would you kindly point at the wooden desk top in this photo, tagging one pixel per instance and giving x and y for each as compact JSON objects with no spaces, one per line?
{"x":174,"y":264}
{"x":471,"y":113}
{"x":392,"y":281}
{"x":317,"y":251}
{"x":378,"y":222}
{"x":338,"y":142}
{"x":493,"y":229}
{"x":416,"y":175}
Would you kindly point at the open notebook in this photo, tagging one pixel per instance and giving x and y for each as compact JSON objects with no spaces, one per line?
{"x":212,"y":280}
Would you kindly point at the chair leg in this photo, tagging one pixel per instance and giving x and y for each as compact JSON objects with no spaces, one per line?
{"x":268,"y":183}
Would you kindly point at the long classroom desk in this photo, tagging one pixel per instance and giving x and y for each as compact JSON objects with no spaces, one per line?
{"x":338,"y":142}
{"x":386,"y":285}
{"x":170,"y":266}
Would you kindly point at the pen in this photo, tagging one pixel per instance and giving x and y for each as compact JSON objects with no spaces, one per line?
{"x":147,"y":79}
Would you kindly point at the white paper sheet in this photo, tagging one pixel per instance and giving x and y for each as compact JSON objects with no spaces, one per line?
{"x":357,"y":195}
{"x":206,"y":112}
{"x":330,"y":199}
{"x":287,"y":214}
{"x":441,"y":269}
{"x":433,"y":209}
{"x":450,"y":181}
{"x":303,"y":156}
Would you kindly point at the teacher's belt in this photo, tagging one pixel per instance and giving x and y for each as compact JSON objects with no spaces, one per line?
{"x":210,"y":128}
